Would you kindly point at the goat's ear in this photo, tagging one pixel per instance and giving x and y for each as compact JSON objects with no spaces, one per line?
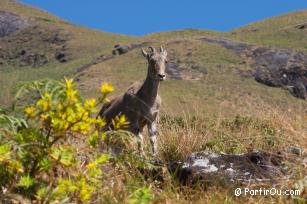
{"x":145,"y":54}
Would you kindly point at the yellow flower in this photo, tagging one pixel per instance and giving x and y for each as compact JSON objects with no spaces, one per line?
{"x":71,"y":118}
{"x":69,"y":83}
{"x":42,"y":104}
{"x":106,"y":88}
{"x":60,"y":107}
{"x":99,"y":121}
{"x":85,"y":116}
{"x":120,"y":122}
{"x":30,"y":112}
{"x":90,"y":104}
{"x":72,"y":95}
{"x":85,"y":128}
{"x":44,"y":117}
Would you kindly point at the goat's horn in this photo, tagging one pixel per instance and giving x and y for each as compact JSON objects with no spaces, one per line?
{"x":144,"y":52}
{"x":161,"y":49}
{"x":152,"y":49}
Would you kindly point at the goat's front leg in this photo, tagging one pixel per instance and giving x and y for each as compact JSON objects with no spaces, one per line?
{"x":140,"y":142}
{"x":152,"y":132}
{"x":139,"y":134}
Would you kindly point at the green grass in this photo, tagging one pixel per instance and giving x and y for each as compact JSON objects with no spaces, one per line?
{"x":278,"y":31}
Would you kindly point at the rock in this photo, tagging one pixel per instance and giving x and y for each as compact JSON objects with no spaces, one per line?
{"x":205,"y":168}
{"x":120,"y":49}
{"x":60,"y":56}
{"x":295,"y":150}
{"x":35,"y":46}
{"x":236,"y":47}
{"x":34,"y":59}
{"x":281,"y":68}
{"x":58,"y":39}
{"x":183,"y":68}
{"x":275,"y":67}
{"x":301,"y":26}
{"x":10,"y":23}
{"x":23,"y":52}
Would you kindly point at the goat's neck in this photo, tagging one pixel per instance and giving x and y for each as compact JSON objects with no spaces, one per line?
{"x":148,"y":91}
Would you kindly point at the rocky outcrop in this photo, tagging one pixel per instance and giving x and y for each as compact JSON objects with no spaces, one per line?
{"x":120,"y":49}
{"x":281,"y":68}
{"x":182,"y":65}
{"x":10,"y":23}
{"x":183,"y":70}
{"x":210,"y":168}
{"x":34,"y":46}
{"x":276,"y":67}
{"x":33,"y":59}
{"x":302,"y":26}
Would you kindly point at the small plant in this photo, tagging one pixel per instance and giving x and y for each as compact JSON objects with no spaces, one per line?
{"x":141,"y":196}
{"x":36,"y":158}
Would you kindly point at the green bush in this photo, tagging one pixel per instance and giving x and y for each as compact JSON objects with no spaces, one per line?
{"x":37,"y":159}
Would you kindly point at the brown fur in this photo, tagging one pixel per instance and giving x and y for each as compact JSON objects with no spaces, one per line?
{"x":141,"y":102}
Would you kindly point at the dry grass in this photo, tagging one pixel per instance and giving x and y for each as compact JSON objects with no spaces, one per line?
{"x":187,"y":132}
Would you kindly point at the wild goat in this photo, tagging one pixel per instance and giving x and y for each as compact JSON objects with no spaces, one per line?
{"x":141,"y":102}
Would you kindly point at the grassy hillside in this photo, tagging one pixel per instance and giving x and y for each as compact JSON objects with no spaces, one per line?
{"x":280,"y":31}
{"x":219,"y":89}
{"x":215,"y":104}
{"x":82,"y":46}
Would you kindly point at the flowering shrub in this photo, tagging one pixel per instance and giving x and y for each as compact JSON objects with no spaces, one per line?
{"x":36,"y":158}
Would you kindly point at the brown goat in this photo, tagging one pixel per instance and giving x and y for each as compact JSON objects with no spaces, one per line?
{"x":141,"y":102}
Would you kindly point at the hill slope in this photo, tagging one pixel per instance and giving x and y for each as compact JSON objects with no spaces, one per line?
{"x":47,"y":47}
{"x":233,"y":92}
{"x":205,"y":76}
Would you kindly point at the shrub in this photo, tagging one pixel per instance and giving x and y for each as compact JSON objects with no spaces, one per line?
{"x":37,"y":159}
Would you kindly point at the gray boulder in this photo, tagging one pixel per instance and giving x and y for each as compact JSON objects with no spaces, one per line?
{"x":205,"y":168}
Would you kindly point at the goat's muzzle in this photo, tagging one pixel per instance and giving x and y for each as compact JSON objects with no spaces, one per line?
{"x":161,"y":77}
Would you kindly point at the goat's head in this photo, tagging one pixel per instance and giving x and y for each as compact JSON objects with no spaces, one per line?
{"x":156,"y":63}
